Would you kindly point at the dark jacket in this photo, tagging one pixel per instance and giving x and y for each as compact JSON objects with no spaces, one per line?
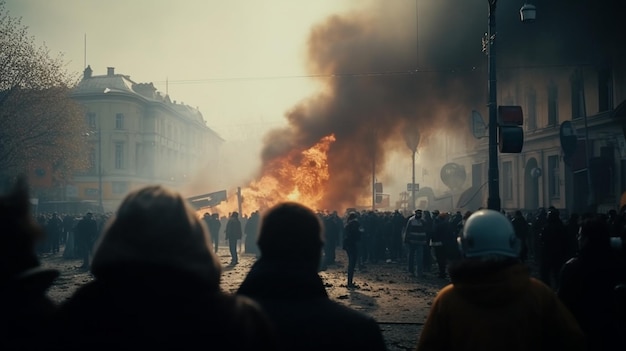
{"x":304,"y":317}
{"x":86,"y":233}
{"x":26,"y":311}
{"x":233,"y":229}
{"x":157,"y":308}
{"x":353,"y":232}
{"x":588,"y":289}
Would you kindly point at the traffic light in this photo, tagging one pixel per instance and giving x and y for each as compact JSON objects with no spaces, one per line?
{"x":510,"y":134}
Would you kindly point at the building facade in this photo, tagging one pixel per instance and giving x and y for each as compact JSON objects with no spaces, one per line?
{"x":137,"y":137}
{"x":593,"y":100}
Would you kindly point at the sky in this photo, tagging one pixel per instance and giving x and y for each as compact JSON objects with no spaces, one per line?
{"x":240,"y":62}
{"x":249,"y":67}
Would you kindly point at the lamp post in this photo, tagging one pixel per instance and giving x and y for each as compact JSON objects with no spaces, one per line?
{"x":527,"y":14}
{"x":100,"y":169}
{"x":493,"y":201}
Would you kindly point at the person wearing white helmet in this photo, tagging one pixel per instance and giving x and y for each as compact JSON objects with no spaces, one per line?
{"x":492,"y":302}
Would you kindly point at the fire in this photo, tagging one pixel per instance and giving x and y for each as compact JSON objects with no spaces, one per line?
{"x":300,"y":175}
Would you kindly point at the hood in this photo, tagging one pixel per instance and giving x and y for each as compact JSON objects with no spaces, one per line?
{"x":488,"y":283}
{"x":156,"y":227}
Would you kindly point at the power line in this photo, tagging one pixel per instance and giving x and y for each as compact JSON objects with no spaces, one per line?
{"x":366,"y":74}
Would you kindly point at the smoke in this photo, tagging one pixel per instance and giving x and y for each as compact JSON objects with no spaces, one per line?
{"x":373,"y":90}
{"x":383,"y":72}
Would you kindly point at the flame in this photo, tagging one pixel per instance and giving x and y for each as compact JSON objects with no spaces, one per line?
{"x":300,"y":175}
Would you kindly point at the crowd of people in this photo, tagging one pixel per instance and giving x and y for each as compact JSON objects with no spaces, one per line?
{"x":157,"y":277}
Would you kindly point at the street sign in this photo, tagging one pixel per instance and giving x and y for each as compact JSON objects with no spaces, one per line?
{"x":410,"y":187}
{"x":207,"y":200}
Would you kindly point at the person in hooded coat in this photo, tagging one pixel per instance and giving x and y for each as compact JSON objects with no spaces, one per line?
{"x":157,"y":286}
{"x":25,"y":309}
{"x":285,"y":282}
{"x":492,"y":302}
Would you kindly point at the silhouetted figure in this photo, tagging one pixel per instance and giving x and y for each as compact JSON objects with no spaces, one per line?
{"x":214,"y":225}
{"x":493,"y":303}
{"x":521,"y":228}
{"x":353,"y":234}
{"x":251,"y":229}
{"x":233,"y":234}
{"x":86,"y":234}
{"x":588,"y":284}
{"x":54,"y":230}
{"x":284,"y":281}
{"x":156,"y":286}
{"x":553,"y":249}
{"x":25,"y":310}
{"x":415,"y":238}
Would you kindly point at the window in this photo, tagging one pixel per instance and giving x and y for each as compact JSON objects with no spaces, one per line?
{"x":553,"y":104}
{"x":554,"y":180}
{"x":531,"y":110}
{"x":605,"y":90}
{"x":577,"y":95}
{"x":120,"y":187}
{"x":119,"y":121}
{"x":91,"y":120}
{"x":119,"y":155}
{"x":507,"y":180}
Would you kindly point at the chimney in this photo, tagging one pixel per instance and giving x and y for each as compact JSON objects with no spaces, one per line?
{"x":110,"y":71}
{"x":87,"y":73}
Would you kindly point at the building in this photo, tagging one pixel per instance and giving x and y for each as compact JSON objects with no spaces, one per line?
{"x":137,"y":137}
{"x":584,"y":85}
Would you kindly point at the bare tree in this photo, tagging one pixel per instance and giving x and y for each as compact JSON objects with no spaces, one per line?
{"x":39,"y":122}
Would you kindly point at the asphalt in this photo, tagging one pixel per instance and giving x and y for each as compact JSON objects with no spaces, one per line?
{"x":398,"y":301}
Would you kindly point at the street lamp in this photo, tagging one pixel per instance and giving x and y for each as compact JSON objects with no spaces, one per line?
{"x":100,"y":169}
{"x":528,"y":13}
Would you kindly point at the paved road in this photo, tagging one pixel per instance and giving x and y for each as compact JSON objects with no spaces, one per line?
{"x":386,"y":292}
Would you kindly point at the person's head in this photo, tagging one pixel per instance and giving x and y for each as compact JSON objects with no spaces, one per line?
{"x":489,"y":235}
{"x":553,"y":214}
{"x":418,"y":213}
{"x":290,"y":233}
{"x":593,"y":234}
{"x":156,"y":227}
{"x":352,"y":216}
{"x":89,"y":215}
{"x":19,"y":233}
{"x":234,"y":215}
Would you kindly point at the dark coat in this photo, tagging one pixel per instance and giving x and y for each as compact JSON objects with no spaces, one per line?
{"x":26,"y":311}
{"x":233,"y":229}
{"x":304,"y":317}
{"x":157,"y":308}
{"x":86,"y":233}
{"x":353,"y":232}
{"x":588,"y":289}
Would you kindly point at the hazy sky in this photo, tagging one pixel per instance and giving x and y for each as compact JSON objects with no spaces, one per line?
{"x":241,"y":62}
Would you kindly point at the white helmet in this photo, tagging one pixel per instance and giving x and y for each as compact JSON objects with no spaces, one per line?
{"x":487,"y":233}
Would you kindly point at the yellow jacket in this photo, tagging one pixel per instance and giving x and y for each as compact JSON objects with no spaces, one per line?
{"x":498,"y":306}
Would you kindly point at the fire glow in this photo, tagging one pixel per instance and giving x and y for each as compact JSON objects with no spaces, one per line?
{"x":301,"y":176}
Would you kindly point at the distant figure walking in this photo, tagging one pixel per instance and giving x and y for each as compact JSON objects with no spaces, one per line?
{"x":353,"y":233}
{"x":233,"y":234}
{"x":285,"y":282}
